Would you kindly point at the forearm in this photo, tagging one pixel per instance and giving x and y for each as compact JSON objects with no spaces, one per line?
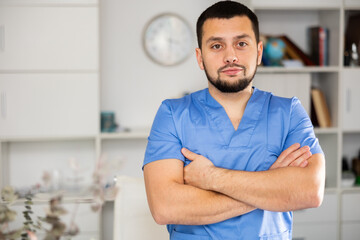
{"x":282,"y":189}
{"x":188,"y":205}
{"x":173,"y":202}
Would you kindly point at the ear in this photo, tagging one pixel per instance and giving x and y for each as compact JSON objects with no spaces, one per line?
{"x":199,"y":58}
{"x":260,"y":52}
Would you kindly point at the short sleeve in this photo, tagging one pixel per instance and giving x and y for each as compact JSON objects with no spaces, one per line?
{"x":301,"y":129}
{"x":163,"y":141}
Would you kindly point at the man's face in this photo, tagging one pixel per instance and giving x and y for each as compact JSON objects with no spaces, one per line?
{"x":229,"y":54}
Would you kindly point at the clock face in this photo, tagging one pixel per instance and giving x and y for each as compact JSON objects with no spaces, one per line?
{"x":168,"y":39}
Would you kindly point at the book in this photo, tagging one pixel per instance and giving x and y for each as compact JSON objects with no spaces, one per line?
{"x":313,"y":117}
{"x":320,"y":108}
{"x":294,"y":52}
{"x":318,"y":38}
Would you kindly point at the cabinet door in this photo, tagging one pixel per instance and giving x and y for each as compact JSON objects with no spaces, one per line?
{"x":350,"y":231}
{"x":350,"y":210}
{"x":327,"y":212}
{"x":351,"y":99}
{"x":350,"y":216}
{"x":48,"y":38}
{"x":48,"y":105}
{"x":317,"y":231}
{"x":317,"y":223}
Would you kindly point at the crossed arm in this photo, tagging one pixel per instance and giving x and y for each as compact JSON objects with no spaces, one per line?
{"x":215,"y":194}
{"x":280,"y":189}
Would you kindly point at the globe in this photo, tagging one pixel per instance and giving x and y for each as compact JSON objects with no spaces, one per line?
{"x":274,"y":51}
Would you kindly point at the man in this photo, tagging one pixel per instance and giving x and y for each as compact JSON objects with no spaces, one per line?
{"x":226,"y":162}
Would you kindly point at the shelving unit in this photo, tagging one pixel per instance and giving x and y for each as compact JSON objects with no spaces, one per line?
{"x":78,"y":134}
{"x":337,"y":82}
{"x":49,"y":56}
{"x":132,"y":134}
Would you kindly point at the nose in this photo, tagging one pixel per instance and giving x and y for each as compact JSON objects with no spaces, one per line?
{"x":230,"y":57}
{"x":232,"y":60}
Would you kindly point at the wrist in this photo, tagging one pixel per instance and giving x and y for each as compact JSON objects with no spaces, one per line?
{"x":214,"y":178}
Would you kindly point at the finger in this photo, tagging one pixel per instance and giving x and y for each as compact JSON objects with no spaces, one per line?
{"x":279,"y":161}
{"x":301,"y":161}
{"x":189,"y":154}
{"x":289,"y":155}
{"x":287,"y":151}
{"x":304,"y":164}
{"x":296,"y":154}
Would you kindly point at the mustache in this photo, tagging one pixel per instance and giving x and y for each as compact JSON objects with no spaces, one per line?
{"x":231,"y":65}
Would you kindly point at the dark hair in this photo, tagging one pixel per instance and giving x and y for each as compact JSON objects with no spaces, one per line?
{"x":226,"y":9}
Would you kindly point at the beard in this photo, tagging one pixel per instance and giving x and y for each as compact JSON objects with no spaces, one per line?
{"x":223,"y":86}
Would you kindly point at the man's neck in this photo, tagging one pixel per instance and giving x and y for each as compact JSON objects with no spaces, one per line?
{"x":233,"y":103}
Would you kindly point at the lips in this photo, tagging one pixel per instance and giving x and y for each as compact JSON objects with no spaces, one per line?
{"x":232,"y":71}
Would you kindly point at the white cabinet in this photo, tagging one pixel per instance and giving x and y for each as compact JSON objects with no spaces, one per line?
{"x":350,"y":216}
{"x":48,"y":38}
{"x":52,"y":157}
{"x":350,"y":231}
{"x":350,"y":210}
{"x":318,"y":231}
{"x":49,"y":90}
{"x":42,"y":105}
{"x":327,"y":212}
{"x":351,"y":99}
{"x":317,"y":223}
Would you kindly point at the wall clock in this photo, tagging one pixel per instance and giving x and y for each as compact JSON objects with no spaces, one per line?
{"x":168,"y":39}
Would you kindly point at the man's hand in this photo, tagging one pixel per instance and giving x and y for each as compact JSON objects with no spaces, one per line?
{"x":293,"y":156}
{"x":197,"y":172}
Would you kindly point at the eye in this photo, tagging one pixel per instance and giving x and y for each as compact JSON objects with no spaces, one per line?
{"x":242,"y":44}
{"x":216,"y":46}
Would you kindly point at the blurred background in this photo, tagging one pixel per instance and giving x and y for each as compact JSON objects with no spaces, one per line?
{"x":81,"y":81}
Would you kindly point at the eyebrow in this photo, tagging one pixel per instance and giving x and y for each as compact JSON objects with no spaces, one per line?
{"x":215,"y":39}
{"x":243,"y":36}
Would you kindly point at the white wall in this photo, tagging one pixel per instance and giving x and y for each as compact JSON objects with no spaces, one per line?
{"x":131,"y":84}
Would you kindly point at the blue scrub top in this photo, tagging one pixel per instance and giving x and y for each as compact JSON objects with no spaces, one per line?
{"x":270,"y":125}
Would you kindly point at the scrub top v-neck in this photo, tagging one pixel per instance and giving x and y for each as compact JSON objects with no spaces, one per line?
{"x":269,"y":125}
{"x":217,"y":114}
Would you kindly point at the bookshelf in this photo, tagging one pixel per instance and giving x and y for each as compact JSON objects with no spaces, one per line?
{"x":340,"y":85}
